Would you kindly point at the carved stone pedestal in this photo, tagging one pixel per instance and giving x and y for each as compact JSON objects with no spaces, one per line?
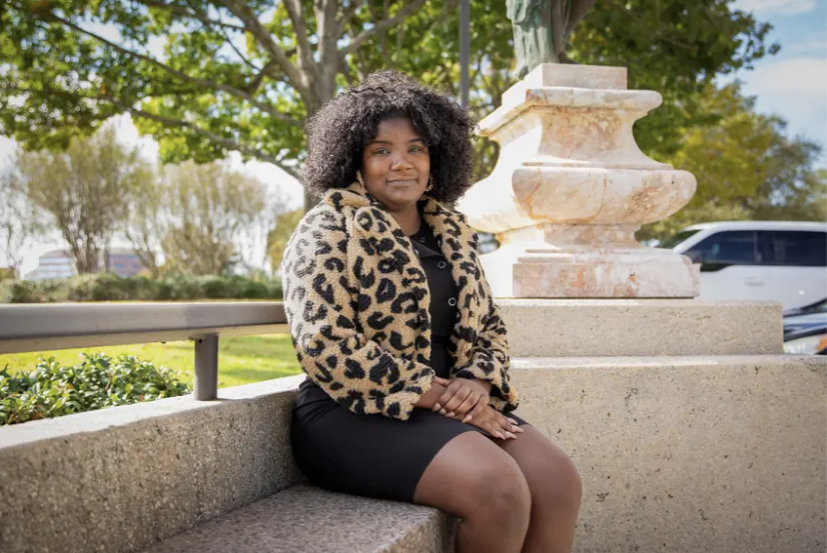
{"x":571,"y":187}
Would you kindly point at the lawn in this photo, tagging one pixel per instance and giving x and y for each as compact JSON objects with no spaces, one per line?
{"x":240,"y":360}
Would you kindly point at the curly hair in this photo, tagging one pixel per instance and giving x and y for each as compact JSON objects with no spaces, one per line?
{"x":340,"y":130}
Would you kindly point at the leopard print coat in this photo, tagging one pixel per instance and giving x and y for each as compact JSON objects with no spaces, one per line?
{"x":356,"y":299}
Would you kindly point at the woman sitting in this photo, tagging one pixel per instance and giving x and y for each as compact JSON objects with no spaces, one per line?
{"x":408,"y":395}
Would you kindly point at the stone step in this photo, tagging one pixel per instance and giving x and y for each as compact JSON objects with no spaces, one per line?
{"x":721,"y":454}
{"x":305,"y":519}
{"x":617,"y":327}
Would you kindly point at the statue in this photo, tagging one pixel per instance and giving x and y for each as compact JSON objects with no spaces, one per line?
{"x":541,"y":28}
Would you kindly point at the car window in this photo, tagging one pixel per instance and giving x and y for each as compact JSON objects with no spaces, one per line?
{"x":793,"y":248}
{"x":729,"y":247}
{"x":676,"y":239}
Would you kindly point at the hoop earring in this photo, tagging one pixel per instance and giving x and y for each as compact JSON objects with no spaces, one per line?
{"x":430,"y":184}
{"x":359,"y":179}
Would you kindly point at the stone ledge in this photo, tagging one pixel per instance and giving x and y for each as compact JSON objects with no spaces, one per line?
{"x":722,"y":454}
{"x":120,"y":479}
{"x":305,"y":519}
{"x":620,"y":327}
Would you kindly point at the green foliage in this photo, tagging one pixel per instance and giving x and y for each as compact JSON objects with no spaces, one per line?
{"x":246,"y":80}
{"x":746,"y":166}
{"x":109,"y":287}
{"x":52,"y":390}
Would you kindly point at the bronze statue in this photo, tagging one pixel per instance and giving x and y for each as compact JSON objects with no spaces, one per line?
{"x":541,"y":28}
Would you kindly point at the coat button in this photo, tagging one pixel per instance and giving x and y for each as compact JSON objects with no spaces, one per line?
{"x":416,"y":251}
{"x":441,"y":264}
{"x":452,"y":302}
{"x":421,"y":239}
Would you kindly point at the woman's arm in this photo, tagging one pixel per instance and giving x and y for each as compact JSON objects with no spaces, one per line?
{"x":490,"y":357}
{"x":319,"y":304}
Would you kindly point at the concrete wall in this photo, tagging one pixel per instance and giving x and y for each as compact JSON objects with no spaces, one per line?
{"x":689,"y":454}
{"x":723,"y":454}
{"x":121,"y":479}
{"x":617,"y":327}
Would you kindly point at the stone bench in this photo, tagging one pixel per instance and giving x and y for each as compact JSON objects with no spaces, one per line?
{"x":723,"y":453}
{"x":305,"y":518}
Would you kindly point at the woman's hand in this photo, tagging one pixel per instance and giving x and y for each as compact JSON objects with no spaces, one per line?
{"x":461,"y":395}
{"x":492,"y":421}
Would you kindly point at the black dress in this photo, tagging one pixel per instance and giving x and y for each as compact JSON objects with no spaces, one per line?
{"x":373,"y":455}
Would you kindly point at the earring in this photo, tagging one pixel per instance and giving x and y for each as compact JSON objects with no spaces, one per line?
{"x":359,"y":178}
{"x":430,"y":184}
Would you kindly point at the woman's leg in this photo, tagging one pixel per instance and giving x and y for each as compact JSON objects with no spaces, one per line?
{"x":473,"y":479}
{"x":555,"y":491}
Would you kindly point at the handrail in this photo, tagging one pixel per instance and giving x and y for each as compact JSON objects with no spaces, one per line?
{"x":33,"y":327}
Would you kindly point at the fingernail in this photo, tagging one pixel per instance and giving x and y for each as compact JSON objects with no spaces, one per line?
{"x":436,"y":407}
{"x":518,"y":429}
{"x":467,"y":418}
{"x":451,"y":414}
{"x":510,"y":435}
{"x":442,"y":411}
{"x":499,"y":435}
{"x":512,"y":421}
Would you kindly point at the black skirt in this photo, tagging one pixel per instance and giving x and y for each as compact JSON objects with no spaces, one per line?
{"x":369,"y":455}
{"x":373,"y":455}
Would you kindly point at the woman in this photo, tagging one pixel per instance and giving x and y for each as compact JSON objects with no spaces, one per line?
{"x":393,"y":322}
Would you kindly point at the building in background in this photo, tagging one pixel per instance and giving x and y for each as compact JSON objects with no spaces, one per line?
{"x":58,"y":264}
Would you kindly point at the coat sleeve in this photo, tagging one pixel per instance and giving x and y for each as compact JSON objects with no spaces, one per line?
{"x":320,"y":304}
{"x":490,"y":357}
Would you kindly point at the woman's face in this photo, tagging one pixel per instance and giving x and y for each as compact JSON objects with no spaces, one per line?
{"x":396,"y":165}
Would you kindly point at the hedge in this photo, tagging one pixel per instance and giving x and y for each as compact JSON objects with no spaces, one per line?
{"x":109,"y":287}
{"x":51,"y":390}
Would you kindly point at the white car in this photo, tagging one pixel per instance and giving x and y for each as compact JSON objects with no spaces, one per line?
{"x":758,"y":260}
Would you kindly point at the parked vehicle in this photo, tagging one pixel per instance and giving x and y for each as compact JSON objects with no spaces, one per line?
{"x":805,"y":329}
{"x":758,"y":260}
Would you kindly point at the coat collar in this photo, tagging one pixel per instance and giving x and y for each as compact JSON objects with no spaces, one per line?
{"x":450,"y":228}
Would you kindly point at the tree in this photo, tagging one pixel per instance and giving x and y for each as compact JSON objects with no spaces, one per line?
{"x":243,"y":74}
{"x":746,"y":166}
{"x":19,"y":223}
{"x":84,"y":191}
{"x":277,"y":238}
{"x":203,"y":211}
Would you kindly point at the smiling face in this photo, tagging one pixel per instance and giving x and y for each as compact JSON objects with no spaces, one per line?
{"x":396,"y":165}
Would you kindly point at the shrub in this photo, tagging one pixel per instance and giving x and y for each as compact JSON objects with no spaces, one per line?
{"x":51,"y":390}
{"x":109,"y":287}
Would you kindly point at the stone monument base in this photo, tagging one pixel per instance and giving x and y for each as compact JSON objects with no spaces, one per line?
{"x":539,"y":270}
{"x":571,"y":188}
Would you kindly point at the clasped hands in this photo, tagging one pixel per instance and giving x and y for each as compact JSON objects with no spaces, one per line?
{"x":467,"y":400}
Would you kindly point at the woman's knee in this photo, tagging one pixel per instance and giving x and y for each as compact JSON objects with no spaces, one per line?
{"x":473,"y":478}
{"x":500,"y":489}
{"x":555,"y":482}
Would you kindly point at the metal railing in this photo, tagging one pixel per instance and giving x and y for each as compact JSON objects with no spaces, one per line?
{"x":39,"y":327}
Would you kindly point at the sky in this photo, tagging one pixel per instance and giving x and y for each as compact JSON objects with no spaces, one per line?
{"x":791,"y":84}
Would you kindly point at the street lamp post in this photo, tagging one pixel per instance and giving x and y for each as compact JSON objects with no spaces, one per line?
{"x":464,"y":50}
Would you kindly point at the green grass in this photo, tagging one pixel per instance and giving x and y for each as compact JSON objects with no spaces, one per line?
{"x":240,"y":360}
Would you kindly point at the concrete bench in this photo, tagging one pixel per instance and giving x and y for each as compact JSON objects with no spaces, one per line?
{"x":307,"y":519}
{"x":685,"y":453}
{"x":698,"y":448}
{"x":189,"y":476}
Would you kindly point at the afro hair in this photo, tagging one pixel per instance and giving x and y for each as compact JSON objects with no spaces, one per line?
{"x":340,"y":130}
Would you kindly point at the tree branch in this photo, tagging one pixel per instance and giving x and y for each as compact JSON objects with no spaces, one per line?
{"x":195,"y":80}
{"x":347,"y":15}
{"x":381,"y":26}
{"x":227,"y":143}
{"x":294,"y":11}
{"x":180,"y":10}
{"x":265,"y":39}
